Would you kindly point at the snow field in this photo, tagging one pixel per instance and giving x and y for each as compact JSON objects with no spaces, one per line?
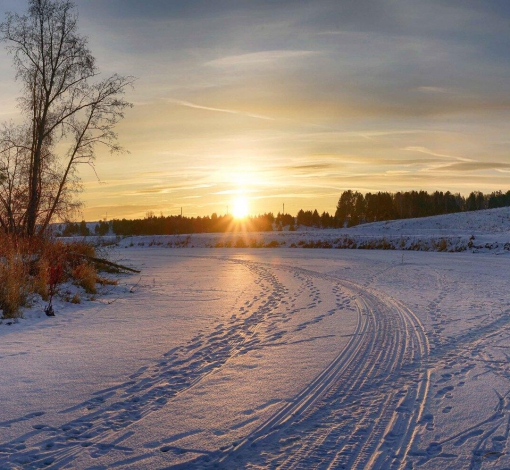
{"x":268,"y":358}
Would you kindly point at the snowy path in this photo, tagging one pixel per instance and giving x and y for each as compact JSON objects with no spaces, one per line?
{"x":258,"y":359}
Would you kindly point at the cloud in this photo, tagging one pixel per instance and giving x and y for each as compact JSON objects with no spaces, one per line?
{"x":235,"y":191}
{"x":332,"y":33}
{"x":151,"y":191}
{"x":432,"y":89}
{"x":475,"y":166}
{"x":300,"y":195}
{"x":187,"y":104}
{"x":258,"y":58}
{"x":311,"y":166}
{"x":171,"y":189}
{"x":435,"y":154}
{"x":407,"y":161}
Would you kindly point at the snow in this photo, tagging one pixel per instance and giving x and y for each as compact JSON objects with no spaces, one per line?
{"x":272,"y":358}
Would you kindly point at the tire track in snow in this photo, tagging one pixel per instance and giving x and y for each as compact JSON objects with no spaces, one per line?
{"x":363,"y":409}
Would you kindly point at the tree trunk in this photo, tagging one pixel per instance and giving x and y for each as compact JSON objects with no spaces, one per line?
{"x":33,"y":202}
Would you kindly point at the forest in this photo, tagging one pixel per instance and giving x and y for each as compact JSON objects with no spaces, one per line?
{"x":355,"y":208}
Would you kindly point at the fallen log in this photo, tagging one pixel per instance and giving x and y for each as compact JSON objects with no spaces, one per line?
{"x":108,"y":263}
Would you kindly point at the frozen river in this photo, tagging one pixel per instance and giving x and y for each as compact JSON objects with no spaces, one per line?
{"x":267,"y":358}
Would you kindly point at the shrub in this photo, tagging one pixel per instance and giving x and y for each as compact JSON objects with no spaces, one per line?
{"x":39,"y":265}
{"x":85,"y":275}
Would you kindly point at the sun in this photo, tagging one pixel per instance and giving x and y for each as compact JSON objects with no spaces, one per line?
{"x":241,"y":207}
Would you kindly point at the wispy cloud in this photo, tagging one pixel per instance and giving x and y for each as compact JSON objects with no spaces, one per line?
{"x":406,"y":161}
{"x":171,"y":189}
{"x":427,"y":151}
{"x":187,"y":104}
{"x":151,"y":191}
{"x":281,"y":196}
{"x":432,"y":89}
{"x":257,"y":58}
{"x":333,"y":33}
{"x":236,"y":191}
{"x":476,"y":166}
{"x":312,"y":166}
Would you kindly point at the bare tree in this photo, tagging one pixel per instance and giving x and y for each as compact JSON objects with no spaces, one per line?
{"x":64,"y":103}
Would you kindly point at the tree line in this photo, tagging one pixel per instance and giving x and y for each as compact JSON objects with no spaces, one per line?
{"x":170,"y":225}
{"x":353,"y":208}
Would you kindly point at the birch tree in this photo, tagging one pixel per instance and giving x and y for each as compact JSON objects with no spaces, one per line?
{"x":68,"y":110}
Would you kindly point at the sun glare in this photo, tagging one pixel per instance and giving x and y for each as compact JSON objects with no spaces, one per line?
{"x":241,"y":207}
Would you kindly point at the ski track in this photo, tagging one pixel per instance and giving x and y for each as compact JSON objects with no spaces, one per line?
{"x":362,"y":411}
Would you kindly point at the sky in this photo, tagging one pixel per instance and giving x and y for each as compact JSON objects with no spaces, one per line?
{"x":292,"y":102}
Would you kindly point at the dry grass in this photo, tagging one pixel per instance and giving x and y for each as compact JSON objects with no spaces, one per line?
{"x":42,"y":279}
{"x":85,"y":275}
{"x":440,"y":245}
{"x":30,"y":266}
{"x":14,"y":283}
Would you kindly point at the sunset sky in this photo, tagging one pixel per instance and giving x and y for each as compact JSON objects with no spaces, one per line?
{"x":294,"y":101}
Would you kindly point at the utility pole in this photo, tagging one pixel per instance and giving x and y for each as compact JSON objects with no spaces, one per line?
{"x":181,"y":211}
{"x":283,"y":213}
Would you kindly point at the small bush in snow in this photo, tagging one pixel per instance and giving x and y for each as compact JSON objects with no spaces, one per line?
{"x":14,"y":280}
{"x":85,"y":275}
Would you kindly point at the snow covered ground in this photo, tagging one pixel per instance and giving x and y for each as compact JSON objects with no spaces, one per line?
{"x":264,"y":358}
{"x":478,"y":231}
